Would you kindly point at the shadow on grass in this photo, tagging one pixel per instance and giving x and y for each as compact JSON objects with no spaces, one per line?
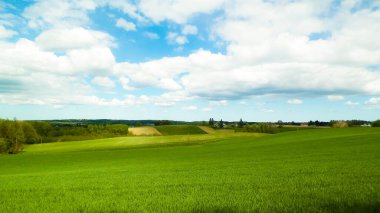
{"x":213,"y":210}
{"x":351,"y":207}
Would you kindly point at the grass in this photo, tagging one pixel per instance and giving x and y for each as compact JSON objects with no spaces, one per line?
{"x":180,"y":130}
{"x":321,"y":170}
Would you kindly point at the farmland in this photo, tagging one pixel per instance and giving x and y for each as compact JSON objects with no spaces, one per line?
{"x":318,"y":170}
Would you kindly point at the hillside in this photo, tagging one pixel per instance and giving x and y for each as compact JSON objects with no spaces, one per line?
{"x":180,"y":130}
{"x":323,"y":170}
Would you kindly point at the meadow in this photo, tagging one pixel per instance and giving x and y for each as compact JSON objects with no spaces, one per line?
{"x":319,"y":170}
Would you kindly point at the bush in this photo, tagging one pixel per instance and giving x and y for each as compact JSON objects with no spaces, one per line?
{"x":340,"y":124}
{"x":376,"y":123}
{"x":3,"y":145}
{"x":261,"y":128}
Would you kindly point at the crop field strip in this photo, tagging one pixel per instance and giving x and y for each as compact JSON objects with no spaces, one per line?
{"x":325,"y":170}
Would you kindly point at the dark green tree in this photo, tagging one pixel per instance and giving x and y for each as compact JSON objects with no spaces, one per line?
{"x":280,"y":124}
{"x":376,"y":123}
{"x":221,"y":124}
{"x":241,"y":123}
{"x":30,"y":133}
{"x":211,"y":122}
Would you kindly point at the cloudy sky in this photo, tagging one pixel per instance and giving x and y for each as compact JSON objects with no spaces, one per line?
{"x":190,"y":59}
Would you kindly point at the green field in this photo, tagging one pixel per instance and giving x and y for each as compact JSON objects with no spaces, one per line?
{"x":180,"y":130}
{"x":319,"y":170}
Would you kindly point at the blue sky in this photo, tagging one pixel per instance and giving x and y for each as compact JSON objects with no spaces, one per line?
{"x":190,"y":59}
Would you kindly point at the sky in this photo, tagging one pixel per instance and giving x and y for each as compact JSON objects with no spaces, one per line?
{"x":191,"y":60}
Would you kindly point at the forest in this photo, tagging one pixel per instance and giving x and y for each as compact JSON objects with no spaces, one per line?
{"x":14,"y":133}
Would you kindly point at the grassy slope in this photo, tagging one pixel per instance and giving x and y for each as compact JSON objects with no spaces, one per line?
{"x":207,"y":129}
{"x":144,"y":131}
{"x":180,"y":130}
{"x":307,"y":171}
{"x":131,"y":142}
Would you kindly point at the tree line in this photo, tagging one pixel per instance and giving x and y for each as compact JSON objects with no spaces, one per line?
{"x":280,"y":126}
{"x":13,"y":133}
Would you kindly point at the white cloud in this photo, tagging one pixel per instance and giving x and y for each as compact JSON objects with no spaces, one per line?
{"x":207,"y":109}
{"x":242,"y":102}
{"x":260,"y":103}
{"x":190,"y":108}
{"x":64,"y":13}
{"x":373,"y":101}
{"x":103,"y":82}
{"x":352,"y":103}
{"x":5,"y":33}
{"x":189,"y":30}
{"x":125,"y":6}
{"x":40,"y":76}
{"x":95,"y":59}
{"x":62,"y":39}
{"x":125,"y":83}
{"x":160,"y":73}
{"x":267,"y":110}
{"x":219,"y":103}
{"x":126,"y":25}
{"x":335,"y":97}
{"x":295,"y":101}
{"x":181,"y":40}
{"x":273,"y":56}
{"x":153,"y":36}
{"x":175,"y":38}
{"x":178,"y":11}
{"x":69,"y":13}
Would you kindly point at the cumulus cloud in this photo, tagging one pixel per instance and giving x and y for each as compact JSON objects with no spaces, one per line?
{"x":6,"y":33}
{"x":352,"y":103}
{"x":219,"y":103}
{"x":207,"y":109}
{"x":125,"y":83}
{"x":274,"y":56}
{"x":175,"y":38}
{"x":65,"y":13}
{"x":126,"y":25}
{"x":267,"y":110}
{"x":62,"y":39}
{"x":373,"y":103}
{"x":335,"y":97}
{"x":103,"y":82}
{"x":189,"y":30}
{"x":295,"y":101}
{"x":178,"y":11}
{"x":190,"y":108}
{"x":153,"y":36}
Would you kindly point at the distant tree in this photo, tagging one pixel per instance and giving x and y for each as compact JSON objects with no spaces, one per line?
{"x":316,"y":123}
{"x":310,"y":123}
{"x":211,"y":122}
{"x":3,"y":145}
{"x":12,"y":136}
{"x":161,"y":122}
{"x":42,"y":128}
{"x":241,"y":123}
{"x":30,"y":133}
{"x":376,"y":123}
{"x":221,"y":124}
{"x":280,"y":124}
